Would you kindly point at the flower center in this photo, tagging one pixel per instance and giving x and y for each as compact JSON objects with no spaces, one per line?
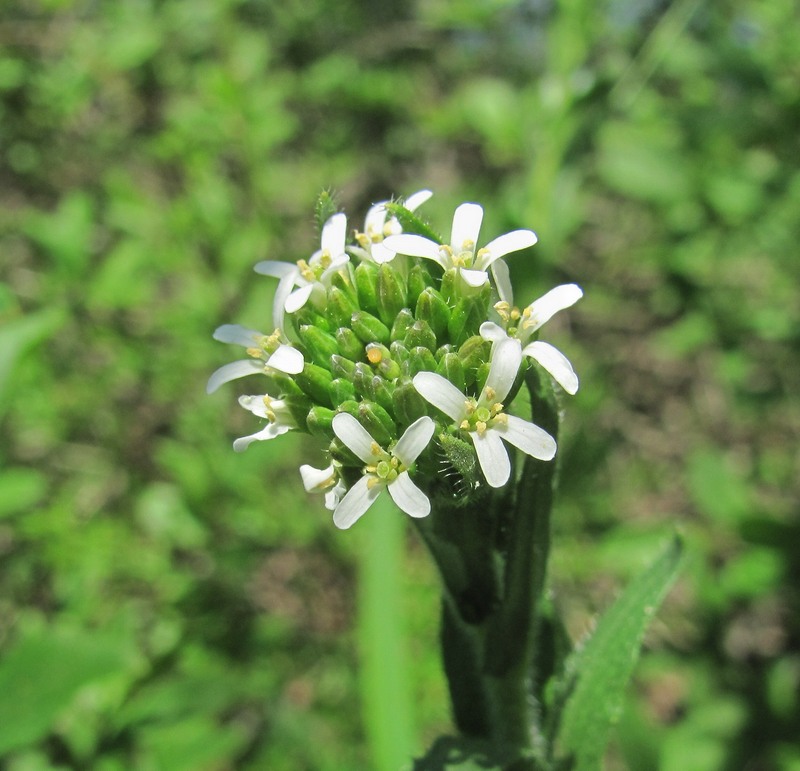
{"x":482,"y":416}
{"x":510,"y":315}
{"x":386,"y":469}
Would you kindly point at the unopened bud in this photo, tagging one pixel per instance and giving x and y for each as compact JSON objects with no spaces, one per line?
{"x":362,"y":380}
{"x":378,"y":422}
{"x":342,"y":367}
{"x":467,"y":318}
{"x":474,"y":352}
{"x":367,"y":286}
{"x":320,"y":345}
{"x":451,"y":368}
{"x":403,"y":320}
{"x":342,"y":279}
{"x":341,"y":390}
{"x":369,"y":329}
{"x":350,"y":345}
{"x":315,"y":382}
{"x":307,"y":316}
{"x":391,"y":293}
{"x":420,"y":333}
{"x":408,"y":403}
{"x":399,"y":351}
{"x":418,"y":280}
{"x":383,"y":393}
{"x":340,"y":306}
{"x":432,"y":308}
{"x":420,"y":360}
{"x":319,"y":420}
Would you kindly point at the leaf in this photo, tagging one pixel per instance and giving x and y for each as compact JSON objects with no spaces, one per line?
{"x":459,"y":754}
{"x":411,"y":223}
{"x":598,"y":672}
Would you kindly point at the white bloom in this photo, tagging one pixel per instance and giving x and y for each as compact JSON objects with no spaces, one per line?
{"x":384,"y":469}
{"x":377,"y":227}
{"x":327,"y":480}
{"x":312,"y":276}
{"x":521,"y":325}
{"x":484,"y":419}
{"x":267,"y":352}
{"x":275,"y":411}
{"x":462,"y":251}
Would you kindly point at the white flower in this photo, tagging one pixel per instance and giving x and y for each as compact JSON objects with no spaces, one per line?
{"x":327,"y":480}
{"x":275,"y":411}
{"x":484,"y":419}
{"x":462,"y":251}
{"x":387,"y":469}
{"x":267,"y":352}
{"x":520,"y":325}
{"x":377,"y":227}
{"x":311,"y":276}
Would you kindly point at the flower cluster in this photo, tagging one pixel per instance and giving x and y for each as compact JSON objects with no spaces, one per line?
{"x":402,"y":351}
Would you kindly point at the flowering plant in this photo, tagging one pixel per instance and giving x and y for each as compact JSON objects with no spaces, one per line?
{"x":403,"y":352}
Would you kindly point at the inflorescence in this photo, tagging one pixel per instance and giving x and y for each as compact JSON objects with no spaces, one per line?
{"x":400,"y":350}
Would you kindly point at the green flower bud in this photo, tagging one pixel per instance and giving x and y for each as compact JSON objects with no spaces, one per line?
{"x":450,"y":284}
{"x":367,"y":286}
{"x":467,"y":317}
{"x":383,"y":393}
{"x":320,"y":345}
{"x":280,"y":383}
{"x":443,"y":350}
{"x":319,"y":420}
{"x":432,"y":308}
{"x":342,"y":367}
{"x":391,"y":293}
{"x":378,"y":422}
{"x":340,"y":306}
{"x":419,"y":279}
{"x":399,"y":351}
{"x":480,"y":376}
{"x":420,"y":333}
{"x":379,"y":357}
{"x":473,"y":353}
{"x":408,"y":403}
{"x":341,"y":390}
{"x":368,"y":329}
{"x":349,"y":344}
{"x":350,"y":406}
{"x":402,"y":322}
{"x":342,"y":279}
{"x":451,"y":368}
{"x":307,"y":316}
{"x":420,"y":360}
{"x":362,"y":380}
{"x":315,"y":381}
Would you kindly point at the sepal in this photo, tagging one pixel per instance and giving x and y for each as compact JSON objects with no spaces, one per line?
{"x":320,"y":345}
{"x":451,"y":368}
{"x":315,"y":382}
{"x":369,"y":329}
{"x":367,"y":286}
{"x":391,"y":293}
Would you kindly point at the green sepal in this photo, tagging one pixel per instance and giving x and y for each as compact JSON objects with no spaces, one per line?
{"x":403,"y":320}
{"x":419,"y":279}
{"x":342,"y":367}
{"x":443,"y":350}
{"x":431,"y":307}
{"x":420,"y":360}
{"x":315,"y":382}
{"x":319,"y":420}
{"x":362,"y":380}
{"x":411,"y":223}
{"x":409,"y":404}
{"x":320,"y":345}
{"x":420,"y":334}
{"x":464,"y":474}
{"x":451,"y":281}
{"x":378,"y":422}
{"x":341,"y":390}
{"x":307,"y":316}
{"x":391,"y":293}
{"x":367,"y":286}
{"x":480,"y":376}
{"x":383,"y":393}
{"x":468,"y":315}
{"x":341,"y":306}
{"x":282,"y":384}
{"x":399,"y":351}
{"x":343,"y":279}
{"x":350,"y":346}
{"x":369,"y":329}
{"x":342,"y":454}
{"x":451,"y":368}
{"x":350,"y":406}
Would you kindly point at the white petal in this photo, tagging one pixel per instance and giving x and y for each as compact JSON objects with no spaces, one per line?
{"x":232,"y":371}
{"x":285,"y":287}
{"x":492,"y":457}
{"x":505,"y":244}
{"x":442,"y":394}
{"x":286,"y":359}
{"x":506,"y":358}
{"x":381,"y":253}
{"x":269,"y":432}
{"x":354,"y":436}
{"x":334,"y":235}
{"x":415,"y":200}
{"x":409,"y":497}
{"x":275,"y":268}
{"x":528,"y":437}
{"x":474,"y":278}
{"x":315,"y":479}
{"x":492,"y":332}
{"x":555,"y":363}
{"x":298,"y":298}
{"x":414,"y":440}
{"x":375,"y":219}
{"x":557,"y":299}
{"x":358,"y":499}
{"x":502,"y":281}
{"x":466,"y":226}
{"x":336,"y":263}
{"x":415,"y":246}
{"x":334,"y":495}
{"x":254,"y":404}
{"x":238,"y":335}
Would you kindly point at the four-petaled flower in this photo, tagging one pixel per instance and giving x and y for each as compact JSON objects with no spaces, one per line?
{"x":384,"y":469}
{"x":484,"y":418}
{"x":279,"y":419}
{"x":377,"y":227}
{"x":311,"y":276}
{"x":520,"y":325}
{"x":462,"y":252}
{"x":324,"y":480}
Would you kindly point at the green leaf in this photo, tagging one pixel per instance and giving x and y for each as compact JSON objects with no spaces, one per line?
{"x":411,"y":223}
{"x":598,"y":673}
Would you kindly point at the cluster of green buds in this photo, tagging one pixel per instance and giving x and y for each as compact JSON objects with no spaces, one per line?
{"x":402,"y":352}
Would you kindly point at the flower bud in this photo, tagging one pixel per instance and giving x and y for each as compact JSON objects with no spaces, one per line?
{"x":451,"y":368}
{"x":408,"y":403}
{"x":319,"y":420}
{"x":480,"y":376}
{"x":307,"y":316}
{"x":432,"y":308}
{"x":280,"y":383}
{"x":367,"y":286}
{"x":467,"y":317}
{"x":379,"y":357}
{"x":342,"y":367}
{"x":341,"y":390}
{"x":420,"y":333}
{"x":340,"y":306}
{"x":473,"y":353}
{"x":402,"y":322}
{"x":315,"y":381}
{"x":391,"y":293}
{"x":362,"y":380}
{"x":383,"y":393}
{"x":369,"y":329}
{"x":320,"y":345}
{"x":298,"y":406}
{"x":342,"y":280}
{"x":418,"y":280}
{"x":443,"y":350}
{"x":399,"y":351}
{"x":450,"y":284}
{"x":377,"y":421}
{"x":349,"y":344}
{"x":420,"y":360}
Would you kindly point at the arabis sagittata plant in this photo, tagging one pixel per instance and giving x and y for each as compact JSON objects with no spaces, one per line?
{"x":403,"y":353}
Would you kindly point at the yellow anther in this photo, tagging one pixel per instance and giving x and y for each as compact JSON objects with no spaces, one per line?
{"x":468,"y":245}
{"x":374,"y":355}
{"x":370,"y":469}
{"x":464,"y":426}
{"x":501,"y":418}
{"x":372,"y":481}
{"x":496,"y":407}
{"x":305,"y":270}
{"x":363,"y":239}
{"x":515,"y":314}
{"x":480,"y":427}
{"x":490,"y":393}
{"x":256,"y":353}
{"x":375,"y":449}
{"x":469,"y":406}
{"x":394,"y":462}
{"x":482,"y":252}
{"x":325,"y":259}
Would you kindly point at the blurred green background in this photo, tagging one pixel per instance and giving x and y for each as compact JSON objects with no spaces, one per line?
{"x":168,"y":604}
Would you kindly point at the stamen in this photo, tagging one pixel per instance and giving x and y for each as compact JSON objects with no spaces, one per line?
{"x":480,"y":427}
{"x":374,"y":355}
{"x":256,"y":353}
